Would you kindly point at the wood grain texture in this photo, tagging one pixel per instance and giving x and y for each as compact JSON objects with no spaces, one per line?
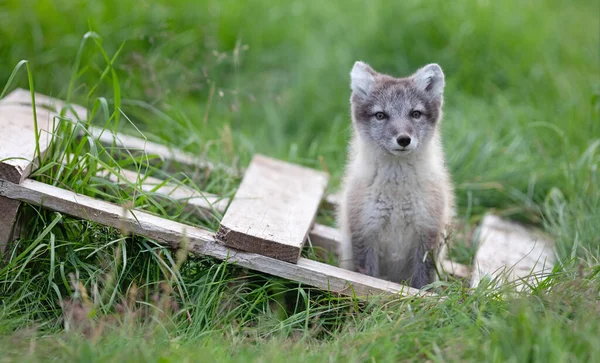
{"x":509,"y":253}
{"x":200,"y":241}
{"x":18,"y":155}
{"x":273,"y":209}
{"x":18,"y":142}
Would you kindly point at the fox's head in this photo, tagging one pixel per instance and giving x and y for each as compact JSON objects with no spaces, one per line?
{"x":399,"y":115}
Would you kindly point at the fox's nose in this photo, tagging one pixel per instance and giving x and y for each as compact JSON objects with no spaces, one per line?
{"x":403,"y":140}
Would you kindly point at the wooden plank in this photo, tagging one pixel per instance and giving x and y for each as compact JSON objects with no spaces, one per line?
{"x":107,"y":138}
{"x":199,"y":203}
{"x":23,"y":97}
{"x":326,"y":238}
{"x":456,"y":269}
{"x":18,"y":140}
{"x":273,"y":209}
{"x":8,"y":217}
{"x":511,"y":253}
{"x":332,"y":200}
{"x":18,"y":155}
{"x":200,"y":241}
{"x":134,"y":144}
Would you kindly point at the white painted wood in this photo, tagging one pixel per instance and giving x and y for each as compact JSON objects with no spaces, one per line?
{"x":200,"y":241}
{"x":511,"y":253}
{"x":273,"y":209}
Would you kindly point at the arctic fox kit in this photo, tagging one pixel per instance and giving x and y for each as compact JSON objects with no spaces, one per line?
{"x":398,"y":198}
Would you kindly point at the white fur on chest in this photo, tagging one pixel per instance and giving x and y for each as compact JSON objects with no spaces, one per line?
{"x":396,"y":211}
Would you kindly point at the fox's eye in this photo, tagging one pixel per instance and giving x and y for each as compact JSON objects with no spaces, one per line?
{"x":415,"y":114}
{"x":380,"y":115}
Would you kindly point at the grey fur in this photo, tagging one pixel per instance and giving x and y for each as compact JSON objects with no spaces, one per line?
{"x":397,"y":199}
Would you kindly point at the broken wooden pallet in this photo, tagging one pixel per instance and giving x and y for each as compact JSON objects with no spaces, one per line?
{"x":198,"y":241}
{"x":174,"y":234}
{"x":321,"y":236}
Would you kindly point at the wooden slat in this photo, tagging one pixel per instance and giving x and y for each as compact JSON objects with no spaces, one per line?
{"x":456,"y":269}
{"x":508,"y":252}
{"x":273,"y":209}
{"x":134,"y":144}
{"x":18,"y":155}
{"x":130,"y":143}
{"x":17,"y":140}
{"x":326,"y":238}
{"x":23,"y":97}
{"x":199,"y":203}
{"x":8,"y":217}
{"x":200,"y":241}
{"x":333,"y":200}
{"x":203,"y":204}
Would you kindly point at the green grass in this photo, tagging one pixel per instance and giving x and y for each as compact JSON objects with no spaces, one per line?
{"x":226,"y":79}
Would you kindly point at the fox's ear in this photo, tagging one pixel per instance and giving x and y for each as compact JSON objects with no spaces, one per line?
{"x":362,"y":79}
{"x":430,"y":79}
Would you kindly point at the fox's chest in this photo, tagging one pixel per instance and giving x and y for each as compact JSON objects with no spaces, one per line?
{"x":397,"y":207}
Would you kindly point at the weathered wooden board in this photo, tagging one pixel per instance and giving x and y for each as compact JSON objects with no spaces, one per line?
{"x":326,"y":238}
{"x":134,"y":144}
{"x":8,"y":216}
{"x":18,"y":140}
{"x":508,"y":252}
{"x":107,"y":138}
{"x":23,"y":97}
{"x":199,"y":241}
{"x":20,"y":151}
{"x":455,"y":269}
{"x":194,"y":201}
{"x":273,"y":209}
